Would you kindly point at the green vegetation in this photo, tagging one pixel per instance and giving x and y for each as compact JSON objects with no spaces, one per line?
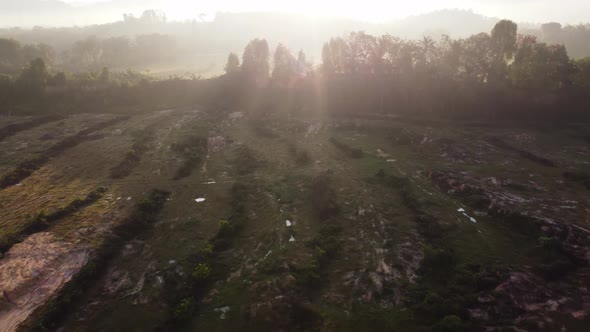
{"x":26,"y":168}
{"x":43,"y":220}
{"x":193,"y":150}
{"x":143,"y":140}
{"x":51,"y":315}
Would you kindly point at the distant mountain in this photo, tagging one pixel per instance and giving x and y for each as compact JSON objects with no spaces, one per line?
{"x":453,"y":22}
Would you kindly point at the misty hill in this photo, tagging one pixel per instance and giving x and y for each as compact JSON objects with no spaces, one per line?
{"x":202,"y":46}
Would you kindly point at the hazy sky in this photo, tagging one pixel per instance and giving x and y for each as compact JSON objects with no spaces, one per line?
{"x":565,"y":11}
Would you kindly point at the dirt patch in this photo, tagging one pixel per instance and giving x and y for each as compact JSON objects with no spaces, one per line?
{"x":32,"y":272}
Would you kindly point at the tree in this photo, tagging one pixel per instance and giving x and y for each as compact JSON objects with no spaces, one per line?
{"x":86,"y":53}
{"x":582,"y":76}
{"x":503,"y":46}
{"x":539,"y":67}
{"x":42,"y":51}
{"x":57,"y":80}
{"x":503,"y":39}
{"x":427,"y":53}
{"x":153,"y":17}
{"x":334,"y":55}
{"x":303,"y":67}
{"x":284,"y":65}
{"x":255,"y":61}
{"x":233,"y":64}
{"x":10,"y":55}
{"x":33,"y":79}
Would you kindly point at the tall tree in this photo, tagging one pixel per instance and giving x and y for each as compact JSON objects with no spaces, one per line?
{"x":233,"y":64}
{"x":503,"y":46}
{"x":33,"y":79}
{"x":285,"y":65}
{"x":255,"y":61}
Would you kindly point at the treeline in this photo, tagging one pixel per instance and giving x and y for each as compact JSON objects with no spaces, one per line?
{"x":91,"y":53}
{"x":150,"y":40}
{"x":497,"y":75}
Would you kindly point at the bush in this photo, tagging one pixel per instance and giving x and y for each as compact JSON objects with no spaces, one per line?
{"x":201,"y":272}
{"x":193,"y":150}
{"x":184,"y":308}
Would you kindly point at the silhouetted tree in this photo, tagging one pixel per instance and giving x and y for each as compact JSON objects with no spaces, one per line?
{"x":334,"y":56}
{"x":255,"y":61}
{"x":233,"y":64}
{"x":33,"y":79}
{"x":285,"y":65}
{"x":582,"y":76}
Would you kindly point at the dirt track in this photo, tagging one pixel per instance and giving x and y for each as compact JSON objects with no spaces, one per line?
{"x":32,"y":272}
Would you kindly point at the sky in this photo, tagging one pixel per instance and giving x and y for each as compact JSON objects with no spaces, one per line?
{"x":535,"y":11}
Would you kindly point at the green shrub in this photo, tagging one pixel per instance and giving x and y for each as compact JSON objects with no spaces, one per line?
{"x":201,"y":272}
{"x":184,"y":308}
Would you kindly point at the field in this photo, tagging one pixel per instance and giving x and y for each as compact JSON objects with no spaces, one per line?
{"x":193,"y":220}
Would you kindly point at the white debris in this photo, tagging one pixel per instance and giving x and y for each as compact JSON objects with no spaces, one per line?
{"x":289,"y":223}
{"x":159,"y":280}
{"x":119,"y":198}
{"x":171,"y":262}
{"x":391,"y":160}
{"x":292,"y":239}
{"x":129,"y":198}
{"x":268,"y":254}
{"x":210,"y":182}
{"x":462,"y":211}
{"x":236,"y":115}
{"x":199,"y":200}
{"x":223,"y":311}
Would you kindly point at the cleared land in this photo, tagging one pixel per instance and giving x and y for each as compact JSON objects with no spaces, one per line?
{"x":283,"y":223}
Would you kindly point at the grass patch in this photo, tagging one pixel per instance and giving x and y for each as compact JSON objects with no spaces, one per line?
{"x":143,"y":140}
{"x":300,"y":155}
{"x":27,"y":167}
{"x":193,"y":150}
{"x":184,"y":293}
{"x":43,"y":220}
{"x":246,"y":161}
